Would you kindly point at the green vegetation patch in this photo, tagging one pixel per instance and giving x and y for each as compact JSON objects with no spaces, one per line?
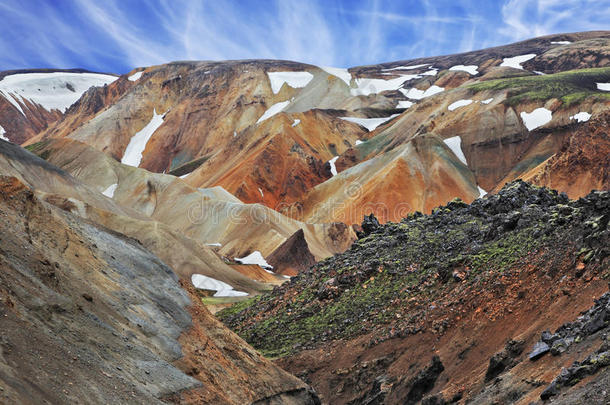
{"x":571,"y":87}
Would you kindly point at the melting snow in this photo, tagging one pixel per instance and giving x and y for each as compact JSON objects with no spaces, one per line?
{"x":109,"y":192}
{"x":481,"y":192}
{"x":333,"y":168}
{"x":516,"y":61}
{"x":431,"y":72}
{"x":56,"y":90}
{"x":222,"y":289}
{"x":536,"y":118}
{"x":404,"y":104}
{"x":133,"y":153}
{"x":254,"y":258}
{"x":135,"y":77}
{"x":603,"y":86}
{"x":260,"y":190}
{"x":458,"y":104}
{"x":13,"y":99}
{"x":455,"y":144}
{"x":406,"y":67}
{"x":369,"y":123}
{"x":489,"y":100}
{"x":560,"y":42}
{"x":539,"y":73}
{"x":341,"y":73}
{"x":295,"y":123}
{"x":358,"y":142}
{"x":274,"y":109}
{"x":2,"y":132}
{"x":581,"y":116}
{"x":416,"y":94}
{"x":234,"y":134}
{"x":293,"y":79}
{"x":472,"y":69}
{"x":368,"y":86}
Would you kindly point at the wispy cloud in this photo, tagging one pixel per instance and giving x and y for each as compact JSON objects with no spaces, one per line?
{"x":117,"y":35}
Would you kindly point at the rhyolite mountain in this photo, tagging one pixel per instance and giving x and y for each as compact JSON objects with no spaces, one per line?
{"x":202,"y":183}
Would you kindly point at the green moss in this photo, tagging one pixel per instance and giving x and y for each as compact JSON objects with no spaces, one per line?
{"x":571,"y":87}
{"x":38,"y":149}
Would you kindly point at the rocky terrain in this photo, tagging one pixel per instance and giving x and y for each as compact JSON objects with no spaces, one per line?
{"x":412,"y":305}
{"x":134,"y":206}
{"x":89,"y":315}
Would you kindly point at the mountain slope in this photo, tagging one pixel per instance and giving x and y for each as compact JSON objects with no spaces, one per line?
{"x":31,"y":100}
{"x":457,"y":284}
{"x":90,"y":315}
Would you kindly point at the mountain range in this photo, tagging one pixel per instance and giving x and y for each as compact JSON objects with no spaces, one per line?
{"x":134,"y":206}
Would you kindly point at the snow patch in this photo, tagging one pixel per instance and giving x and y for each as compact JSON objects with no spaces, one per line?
{"x":2,"y":132}
{"x":222,"y":289}
{"x":458,"y":104}
{"x":109,"y":192}
{"x":133,"y":153}
{"x":215,"y":244}
{"x":472,"y":69}
{"x":13,"y":99}
{"x":341,"y":73}
{"x":358,"y":142}
{"x":431,"y":72}
{"x":254,"y":258}
{"x":234,"y":134}
{"x":539,"y":73}
{"x":603,"y":86}
{"x":369,"y":123}
{"x":404,"y":104}
{"x":516,"y":61}
{"x":411,"y":67}
{"x":366,"y":86}
{"x":481,"y":192}
{"x":53,"y":91}
{"x":135,"y":77}
{"x":581,"y":116}
{"x":260,"y":190}
{"x":536,"y":118}
{"x":416,"y":94}
{"x":455,"y":144}
{"x":333,"y":168}
{"x":274,"y":109}
{"x":293,"y":79}
{"x":487,"y":101}
{"x":295,"y":123}
{"x":560,"y":42}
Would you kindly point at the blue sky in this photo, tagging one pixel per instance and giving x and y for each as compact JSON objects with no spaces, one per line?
{"x":118,"y":35}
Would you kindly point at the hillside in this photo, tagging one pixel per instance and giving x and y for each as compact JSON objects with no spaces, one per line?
{"x":89,"y":315}
{"x":455,"y":285}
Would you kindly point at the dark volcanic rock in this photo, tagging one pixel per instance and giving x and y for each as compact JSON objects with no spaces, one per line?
{"x":292,"y":256}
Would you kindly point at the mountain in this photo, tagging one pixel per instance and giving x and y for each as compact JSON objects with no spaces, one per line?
{"x":31,"y":100}
{"x":409,"y":135}
{"x":134,"y":206}
{"x":89,"y":313}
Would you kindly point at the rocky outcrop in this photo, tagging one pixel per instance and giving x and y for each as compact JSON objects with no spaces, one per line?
{"x":292,"y":256}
